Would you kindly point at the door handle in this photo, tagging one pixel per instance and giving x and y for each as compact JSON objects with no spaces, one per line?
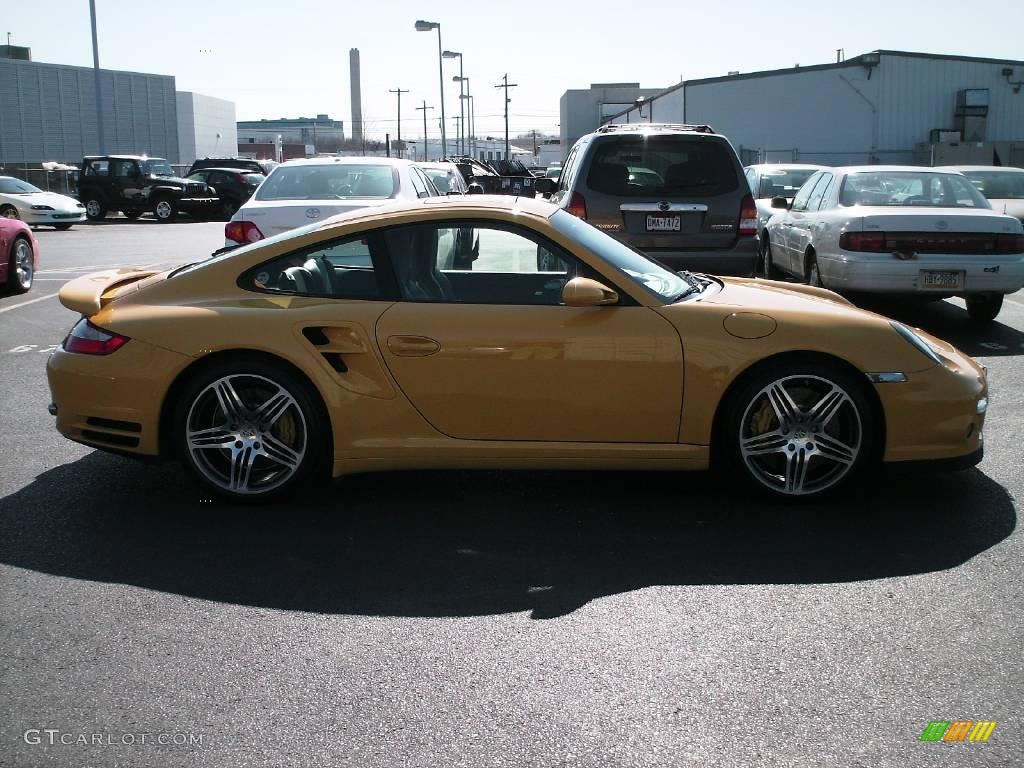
{"x":413,"y":346}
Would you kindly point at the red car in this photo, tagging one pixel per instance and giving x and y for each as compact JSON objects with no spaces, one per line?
{"x":19,"y":255}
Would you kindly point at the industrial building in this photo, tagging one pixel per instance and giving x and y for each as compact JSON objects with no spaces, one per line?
{"x":582,"y":110}
{"x":880,"y":107}
{"x":317,"y":134}
{"x":48,"y":114}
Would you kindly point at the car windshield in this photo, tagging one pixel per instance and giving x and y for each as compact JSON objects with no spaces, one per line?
{"x":328,"y":182}
{"x":12,"y":186}
{"x":998,"y":185}
{"x":783,"y":182}
{"x":910,"y":189}
{"x":157,"y":167}
{"x":655,"y":279}
{"x":662,"y":165}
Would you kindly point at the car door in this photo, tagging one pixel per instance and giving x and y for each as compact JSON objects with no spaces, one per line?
{"x":806,"y":222}
{"x":491,"y":353}
{"x":127,"y":184}
{"x":793,"y":220}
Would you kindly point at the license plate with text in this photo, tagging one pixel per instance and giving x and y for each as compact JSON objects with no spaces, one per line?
{"x":941,"y":279}
{"x":664,"y":223}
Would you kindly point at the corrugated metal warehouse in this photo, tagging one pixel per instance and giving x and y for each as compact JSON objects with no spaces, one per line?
{"x":880,"y":107}
{"x":48,"y":112}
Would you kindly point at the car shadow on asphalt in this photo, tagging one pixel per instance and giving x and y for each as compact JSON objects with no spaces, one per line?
{"x":476,"y":543}
{"x":949,"y":322}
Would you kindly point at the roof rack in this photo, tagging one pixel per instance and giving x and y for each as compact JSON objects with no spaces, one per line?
{"x":609,"y":128}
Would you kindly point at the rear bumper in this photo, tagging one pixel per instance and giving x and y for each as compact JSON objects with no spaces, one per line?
{"x":197,"y":204}
{"x":884,"y":273}
{"x":739,"y":260}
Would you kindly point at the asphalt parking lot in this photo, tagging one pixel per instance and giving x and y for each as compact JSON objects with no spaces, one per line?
{"x":494,"y":618}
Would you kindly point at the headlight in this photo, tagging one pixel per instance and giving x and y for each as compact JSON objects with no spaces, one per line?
{"x":916,"y":341}
{"x":42,"y":208}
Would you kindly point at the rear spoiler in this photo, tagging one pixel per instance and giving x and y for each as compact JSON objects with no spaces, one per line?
{"x":88,"y":294}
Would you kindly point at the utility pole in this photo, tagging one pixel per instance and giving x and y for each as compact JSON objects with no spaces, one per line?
{"x":424,"y":109}
{"x":399,"y":91}
{"x":96,"y":73}
{"x":506,"y":85}
{"x":535,"y":144}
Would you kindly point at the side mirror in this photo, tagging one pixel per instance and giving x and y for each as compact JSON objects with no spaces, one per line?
{"x":584,"y":292}
{"x":475,"y":189}
{"x":780,"y":202}
{"x":545,"y":186}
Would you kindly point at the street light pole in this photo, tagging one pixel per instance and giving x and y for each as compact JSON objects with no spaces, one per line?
{"x":96,"y":73}
{"x":462,"y":106}
{"x":463,"y":97}
{"x":506,"y":85}
{"x":399,"y":91}
{"x":424,"y":109}
{"x":426,"y":26}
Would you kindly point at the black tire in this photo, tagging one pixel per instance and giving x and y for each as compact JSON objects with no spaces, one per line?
{"x":983,"y":307}
{"x":766,"y":263}
{"x":21,"y":267}
{"x":245,"y":442}
{"x":95,"y":207}
{"x":62,"y":227}
{"x":132,"y":214}
{"x":812,"y":275}
{"x":770,"y":449}
{"x":9,"y":212}
{"x":165,"y":209}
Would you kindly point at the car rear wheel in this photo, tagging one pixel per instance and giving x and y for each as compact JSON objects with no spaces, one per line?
{"x":21,"y":269}
{"x":165,"y":210}
{"x":799,"y":430}
{"x":983,"y":307}
{"x":248,"y":430}
{"x":811,"y":273}
{"x":767,"y":265}
{"x":95,"y":208}
{"x":9,"y":212}
{"x":62,"y":227}
{"x":132,"y":214}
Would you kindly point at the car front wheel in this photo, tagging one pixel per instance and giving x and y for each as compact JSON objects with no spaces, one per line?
{"x":248,"y":430}
{"x":799,"y":430}
{"x":21,"y":269}
{"x":165,"y":210}
{"x":95,"y":208}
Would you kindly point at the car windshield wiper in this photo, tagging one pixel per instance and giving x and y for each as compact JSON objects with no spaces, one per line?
{"x":183,"y":267}
{"x":695,"y":285}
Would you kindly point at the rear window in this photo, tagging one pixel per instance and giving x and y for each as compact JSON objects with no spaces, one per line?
{"x":783,"y":182}
{"x":910,"y":189}
{"x":254,"y":178}
{"x":998,"y":185}
{"x":440,"y":178}
{"x":663,"y":166}
{"x":329,"y":182}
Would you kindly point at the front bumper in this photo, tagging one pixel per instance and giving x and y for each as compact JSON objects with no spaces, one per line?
{"x":55,"y":217}
{"x":884,"y":273}
{"x":113,"y":401}
{"x":934,"y":415}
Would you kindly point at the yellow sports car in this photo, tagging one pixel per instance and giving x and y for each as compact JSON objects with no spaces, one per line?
{"x":488,"y":332}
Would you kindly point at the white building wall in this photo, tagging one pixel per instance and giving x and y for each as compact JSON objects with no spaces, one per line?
{"x":200,"y":119}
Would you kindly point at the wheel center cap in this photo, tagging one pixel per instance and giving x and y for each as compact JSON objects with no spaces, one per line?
{"x":800,"y":434}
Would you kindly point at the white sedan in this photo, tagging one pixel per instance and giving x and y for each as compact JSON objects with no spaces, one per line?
{"x":769,"y":180}
{"x":21,"y":200}
{"x":301,"y":192}
{"x":898,"y":230}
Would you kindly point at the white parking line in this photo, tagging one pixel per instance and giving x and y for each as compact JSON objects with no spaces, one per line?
{"x":26,"y":303}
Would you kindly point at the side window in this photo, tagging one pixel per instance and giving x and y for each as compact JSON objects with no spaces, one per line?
{"x":339,"y":270}
{"x":505,"y":265}
{"x":563,"y":177}
{"x":814,"y":201}
{"x":123,"y":168}
{"x":418,"y":184}
{"x":751,"y":175}
{"x":800,"y":201}
{"x":98,"y":168}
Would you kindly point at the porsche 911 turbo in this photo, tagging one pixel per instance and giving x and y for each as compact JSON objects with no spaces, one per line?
{"x":358,"y":344}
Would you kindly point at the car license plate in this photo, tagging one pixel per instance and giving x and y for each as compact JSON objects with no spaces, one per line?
{"x":664,"y":223}
{"x":940,"y":279}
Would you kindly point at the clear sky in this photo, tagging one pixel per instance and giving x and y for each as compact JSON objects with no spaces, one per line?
{"x":286,"y":58}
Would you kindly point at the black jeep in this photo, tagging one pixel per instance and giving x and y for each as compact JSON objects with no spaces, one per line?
{"x":134,"y":184}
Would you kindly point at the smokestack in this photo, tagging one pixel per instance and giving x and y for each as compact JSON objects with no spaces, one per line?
{"x":357,"y":97}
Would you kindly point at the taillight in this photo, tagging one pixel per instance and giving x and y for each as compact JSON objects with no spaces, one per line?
{"x":242,"y":232}
{"x":863,"y":241}
{"x":87,"y":339}
{"x":577,"y":206}
{"x":748,"y":216}
{"x":1009,"y":243}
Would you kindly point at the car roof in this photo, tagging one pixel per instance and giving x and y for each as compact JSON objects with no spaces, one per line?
{"x":233,"y":169}
{"x":439,"y":164}
{"x":122,"y":157}
{"x":888,"y":168}
{"x":962,"y":168}
{"x":360,"y":160}
{"x":791,"y":166}
{"x":462,"y":205}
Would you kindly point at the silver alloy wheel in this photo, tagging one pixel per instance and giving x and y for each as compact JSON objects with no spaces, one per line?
{"x":800,"y":435}
{"x":163,"y":210}
{"x":23,"y":265}
{"x":93,"y":209}
{"x":246,"y":434}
